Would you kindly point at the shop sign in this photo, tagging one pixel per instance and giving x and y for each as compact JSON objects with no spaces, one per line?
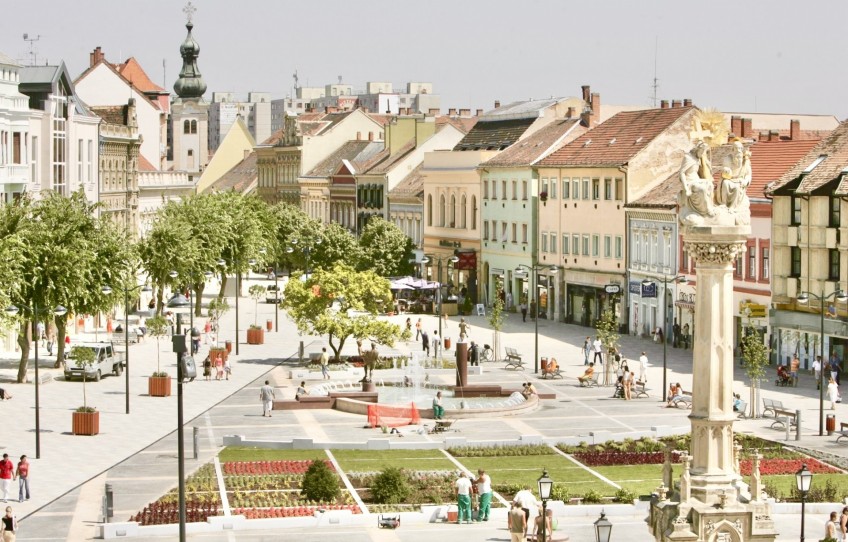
{"x":649,"y":290}
{"x":752,"y":310}
{"x":635,"y":287}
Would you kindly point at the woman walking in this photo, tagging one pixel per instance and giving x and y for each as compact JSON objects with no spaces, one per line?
{"x":833,"y":393}
{"x":9,"y":526}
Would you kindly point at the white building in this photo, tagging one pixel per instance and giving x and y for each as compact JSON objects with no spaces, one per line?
{"x":225,"y":108}
{"x":15,"y":137}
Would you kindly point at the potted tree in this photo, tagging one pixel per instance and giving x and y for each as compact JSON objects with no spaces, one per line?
{"x":217,"y":308}
{"x":255,"y":333}
{"x":159,"y":383}
{"x":86,"y":419}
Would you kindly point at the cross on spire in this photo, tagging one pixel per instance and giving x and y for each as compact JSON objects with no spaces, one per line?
{"x":189,"y":10}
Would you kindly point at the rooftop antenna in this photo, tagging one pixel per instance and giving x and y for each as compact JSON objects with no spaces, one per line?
{"x":32,"y":52}
{"x":656,"y":83}
{"x":340,"y":79}
{"x":294,"y":76}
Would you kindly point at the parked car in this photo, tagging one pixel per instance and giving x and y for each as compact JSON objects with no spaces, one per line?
{"x":106,"y":361}
{"x":274,"y":294}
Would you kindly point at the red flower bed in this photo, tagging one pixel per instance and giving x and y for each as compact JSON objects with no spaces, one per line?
{"x":159,"y":513}
{"x":268,"y":467}
{"x":606,"y":459}
{"x":786,"y":466}
{"x":291,"y":512}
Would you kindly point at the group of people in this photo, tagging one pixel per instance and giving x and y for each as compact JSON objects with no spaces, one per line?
{"x":9,"y":473}
{"x":222,"y":367}
{"x":466,"y":489}
{"x":836,"y":527}
{"x":518,"y":517}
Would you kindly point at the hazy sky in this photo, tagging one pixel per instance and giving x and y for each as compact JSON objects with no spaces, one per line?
{"x":735,"y":55}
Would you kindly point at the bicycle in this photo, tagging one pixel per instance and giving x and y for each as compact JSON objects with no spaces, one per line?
{"x":487,"y":354}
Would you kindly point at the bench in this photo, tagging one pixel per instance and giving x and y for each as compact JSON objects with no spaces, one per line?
{"x":556,"y":373}
{"x":685,"y":400}
{"x":641,"y":390}
{"x":513,"y":359}
{"x":591,"y":383}
{"x":783,"y":414}
{"x":843,"y":432}
{"x":770,"y":405}
{"x":743,"y":408}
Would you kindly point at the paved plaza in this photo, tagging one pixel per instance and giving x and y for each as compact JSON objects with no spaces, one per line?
{"x":137,"y":453}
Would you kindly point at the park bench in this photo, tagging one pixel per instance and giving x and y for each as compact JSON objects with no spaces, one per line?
{"x":641,"y":390}
{"x":513,"y":359}
{"x":743,"y":408}
{"x":781,"y":416}
{"x":685,"y":400}
{"x":770,"y":405}
{"x":591,"y":383}
{"x":556,"y":373}
{"x":843,"y":432}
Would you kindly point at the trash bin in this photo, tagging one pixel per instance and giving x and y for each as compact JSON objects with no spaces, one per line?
{"x":830,"y":424}
{"x":447,"y":343}
{"x":229,"y":346}
{"x":269,"y":325}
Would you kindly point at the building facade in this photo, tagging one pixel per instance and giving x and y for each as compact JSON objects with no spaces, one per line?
{"x":16,"y":153}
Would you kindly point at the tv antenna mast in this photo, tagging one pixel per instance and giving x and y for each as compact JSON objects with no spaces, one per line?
{"x":656,"y":83}
{"x":32,"y":52}
{"x":294,"y":76}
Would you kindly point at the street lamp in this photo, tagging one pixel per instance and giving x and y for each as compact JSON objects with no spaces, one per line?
{"x":263,"y":251}
{"x":439,"y":259}
{"x":108,"y":290}
{"x":803,"y":480}
{"x":665,"y":280}
{"x":12,"y":310}
{"x":307,"y":247}
{"x":545,"y":486}
{"x":803,"y":299}
{"x":603,"y":528}
{"x":523,"y":270}
{"x":222,"y":263}
{"x":179,"y":301}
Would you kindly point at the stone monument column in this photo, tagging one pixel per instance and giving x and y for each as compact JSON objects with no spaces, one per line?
{"x":714,"y":250}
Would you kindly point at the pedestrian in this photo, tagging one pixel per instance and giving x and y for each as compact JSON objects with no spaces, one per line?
{"x":484,"y":490}
{"x":524,"y":311}
{"x":418,"y":329}
{"x":675,"y":330}
{"x":7,"y":470}
{"x":843,"y":524}
{"x":508,"y":301}
{"x":219,"y":366}
{"x":266,"y":395}
{"x":409,"y":325}
{"x":438,"y":409}
{"x":643,"y":368}
{"x":301,"y":390}
{"x":516,"y":522}
{"x":325,"y":364}
{"x":832,"y":394}
{"x":817,"y":371}
{"x":473,"y":354}
{"x":463,"y":498}
{"x":51,"y":339}
{"x":9,"y":526}
{"x":437,"y":345}
{"x":67,"y":343}
{"x":463,"y":330}
{"x":4,"y":395}
{"x":195,"y":341}
{"x":627,"y":381}
{"x":22,"y":474}
{"x":587,"y":350}
{"x":596,"y":348}
{"x":228,"y":369}
{"x":207,"y":368}
{"x":425,"y":343}
{"x":686,"y":337}
{"x":830,"y":528}
{"x":527,"y":501}
{"x":793,"y":370}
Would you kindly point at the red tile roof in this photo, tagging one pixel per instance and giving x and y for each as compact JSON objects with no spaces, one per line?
{"x":410,"y":189}
{"x":463,"y":124}
{"x":240,"y":177}
{"x":144,"y":164}
{"x":834,"y":148}
{"x":771,"y":159}
{"x":616,"y":141}
{"x":133,"y":72}
{"x":529,"y":150}
{"x":662,"y":196}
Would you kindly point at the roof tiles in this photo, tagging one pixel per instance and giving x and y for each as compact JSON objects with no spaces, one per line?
{"x":132,"y":71}
{"x":529,"y":150}
{"x":834,"y":147}
{"x":496,"y":135}
{"x":240,"y":177}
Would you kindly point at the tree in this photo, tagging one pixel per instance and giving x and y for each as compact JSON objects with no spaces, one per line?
{"x":386,"y":250}
{"x":249,"y":227}
{"x":217,"y":309}
{"x":341,"y":303}
{"x":320,"y":483}
{"x":157,"y":327}
{"x":755,"y":359}
{"x":607,"y":328}
{"x":289,"y":223}
{"x":496,"y":320}
{"x":337,"y":245}
{"x":257,"y":292}
{"x":83,"y":357}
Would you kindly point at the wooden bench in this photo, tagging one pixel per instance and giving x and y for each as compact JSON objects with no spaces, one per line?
{"x":770,"y":405}
{"x":592,"y":382}
{"x":843,"y":432}
{"x":641,"y":390}
{"x":685,"y":400}
{"x":556,"y":373}
{"x":783,"y":414}
{"x":513,"y":359}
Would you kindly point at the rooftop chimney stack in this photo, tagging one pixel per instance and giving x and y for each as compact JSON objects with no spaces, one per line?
{"x":433,"y":112}
{"x":774,"y":135}
{"x":464,"y":112}
{"x":497,"y":104}
{"x":95,"y":56}
{"x":663,"y":104}
{"x":736,"y":125}
{"x":451,"y":112}
{"x":587,"y":95}
{"x":794,"y":129}
{"x":675,"y":104}
{"x":479,"y":113}
{"x":747,"y":128}
{"x":687,"y":102}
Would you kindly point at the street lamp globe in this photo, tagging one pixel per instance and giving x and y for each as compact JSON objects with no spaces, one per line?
{"x":173,"y":274}
{"x":841,"y":296}
{"x":106,"y":290}
{"x":220,"y":262}
{"x":60,"y":310}
{"x":546,"y":484}
{"x":603,"y":528}
{"x":803,"y":479}
{"x":11,"y":310}
{"x":803,"y":298}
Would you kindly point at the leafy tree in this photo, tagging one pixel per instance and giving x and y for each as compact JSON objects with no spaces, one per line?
{"x":341,"y":303}
{"x":257,"y":292}
{"x":607,"y":328}
{"x":217,"y":309}
{"x":386,"y":250}
{"x":289,"y":223}
{"x":320,"y":483}
{"x":249,"y":227}
{"x":157,"y":327}
{"x":755,"y":359}
{"x":83,"y":359}
{"x":496,"y":320}
{"x":337,"y":245}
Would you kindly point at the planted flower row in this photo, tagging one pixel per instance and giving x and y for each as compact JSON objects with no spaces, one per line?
{"x":291,"y":512}
{"x":268,"y":467}
{"x":786,"y":466}
{"x":266,"y":499}
{"x":606,"y":459}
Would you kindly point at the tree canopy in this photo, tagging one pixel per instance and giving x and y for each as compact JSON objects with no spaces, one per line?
{"x":385,"y":249}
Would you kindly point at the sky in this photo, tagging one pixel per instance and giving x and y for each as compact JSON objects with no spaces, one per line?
{"x":768,"y":56}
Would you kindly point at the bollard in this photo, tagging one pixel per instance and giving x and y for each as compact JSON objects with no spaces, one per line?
{"x":195,"y":438}
{"x":300,"y":353}
{"x":797,"y":425}
{"x":788,"y":423}
{"x":110,"y":503}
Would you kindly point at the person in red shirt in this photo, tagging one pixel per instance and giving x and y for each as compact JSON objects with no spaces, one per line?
{"x":22,"y":474}
{"x":7,"y":468}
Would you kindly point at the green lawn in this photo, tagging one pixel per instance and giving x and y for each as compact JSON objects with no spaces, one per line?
{"x":786,"y":482}
{"x":241,"y":453}
{"x":375,"y":461}
{"x":639,"y":479}
{"x":526,"y":470}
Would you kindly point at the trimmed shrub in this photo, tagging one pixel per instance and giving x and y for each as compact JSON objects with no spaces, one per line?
{"x":390,"y":486}
{"x":320,"y":483}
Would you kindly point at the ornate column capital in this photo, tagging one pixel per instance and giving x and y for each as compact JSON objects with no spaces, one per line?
{"x":717,"y":252}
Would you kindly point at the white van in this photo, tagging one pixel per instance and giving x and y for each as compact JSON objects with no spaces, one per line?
{"x":106,"y":361}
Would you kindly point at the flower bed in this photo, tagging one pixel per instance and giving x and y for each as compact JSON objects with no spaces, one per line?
{"x":606,"y":459}
{"x":786,"y":466}
{"x":299,"y":511}
{"x":500,"y":451}
{"x":267,"y":467}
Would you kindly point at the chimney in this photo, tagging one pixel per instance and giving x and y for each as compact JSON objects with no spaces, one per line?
{"x":479,"y":112}
{"x":95,"y":56}
{"x":736,"y":125}
{"x":687,"y":102}
{"x":370,"y":136}
{"x":774,"y":135}
{"x":595,"y":104}
{"x":464,"y":112}
{"x":663,"y":104}
{"x":497,"y":104}
{"x":675,"y":104}
{"x":747,"y":128}
{"x":451,"y":112}
{"x":762,"y":136}
{"x":570,"y":112}
{"x":433,"y":112}
{"x":586,"y":94}
{"x":794,"y":129}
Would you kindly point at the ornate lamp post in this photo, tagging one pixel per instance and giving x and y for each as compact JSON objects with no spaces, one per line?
{"x":451,"y":260}
{"x":36,"y":311}
{"x":545,"y":486}
{"x":603,"y":528}
{"x":523,"y":270}
{"x":108,"y":290}
{"x":803,"y":299}
{"x":803,"y":480}
{"x":665,"y":280}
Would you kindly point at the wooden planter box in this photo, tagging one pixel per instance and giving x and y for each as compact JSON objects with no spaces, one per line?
{"x":159,"y":386}
{"x":215,"y":353}
{"x":255,"y":336}
{"x":86,"y":423}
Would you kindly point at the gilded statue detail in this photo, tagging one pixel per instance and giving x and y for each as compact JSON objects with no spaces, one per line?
{"x":701,"y":203}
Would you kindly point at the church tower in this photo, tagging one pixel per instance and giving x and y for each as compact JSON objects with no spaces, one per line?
{"x":189,"y":111}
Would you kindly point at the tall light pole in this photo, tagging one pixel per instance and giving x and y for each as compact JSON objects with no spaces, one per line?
{"x":665,"y":280}
{"x":58,"y":311}
{"x":524,"y":269}
{"x":108,"y":290}
{"x":803,"y":299}
{"x":263,"y":251}
{"x":451,"y":260}
{"x":545,"y":487}
{"x":237,"y":264}
{"x":803,"y":481}
{"x":306,"y":246}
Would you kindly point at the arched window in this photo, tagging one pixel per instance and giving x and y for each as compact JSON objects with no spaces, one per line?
{"x":473,"y":212}
{"x":187,"y":127}
{"x":463,"y":212}
{"x":194,"y":126}
{"x":453,"y":212}
{"x":430,"y":210}
{"x":442,"y":210}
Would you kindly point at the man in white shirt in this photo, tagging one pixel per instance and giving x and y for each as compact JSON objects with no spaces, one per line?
{"x":484,"y":490}
{"x":643,"y":367}
{"x":527,"y":501}
{"x":817,"y":371}
{"x":266,"y":395}
{"x":463,"y":498}
{"x":596,"y":346}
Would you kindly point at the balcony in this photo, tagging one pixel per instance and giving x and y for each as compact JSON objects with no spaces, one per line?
{"x":14,"y":174}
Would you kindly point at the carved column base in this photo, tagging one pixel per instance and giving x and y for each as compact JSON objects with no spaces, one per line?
{"x":693,"y":521}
